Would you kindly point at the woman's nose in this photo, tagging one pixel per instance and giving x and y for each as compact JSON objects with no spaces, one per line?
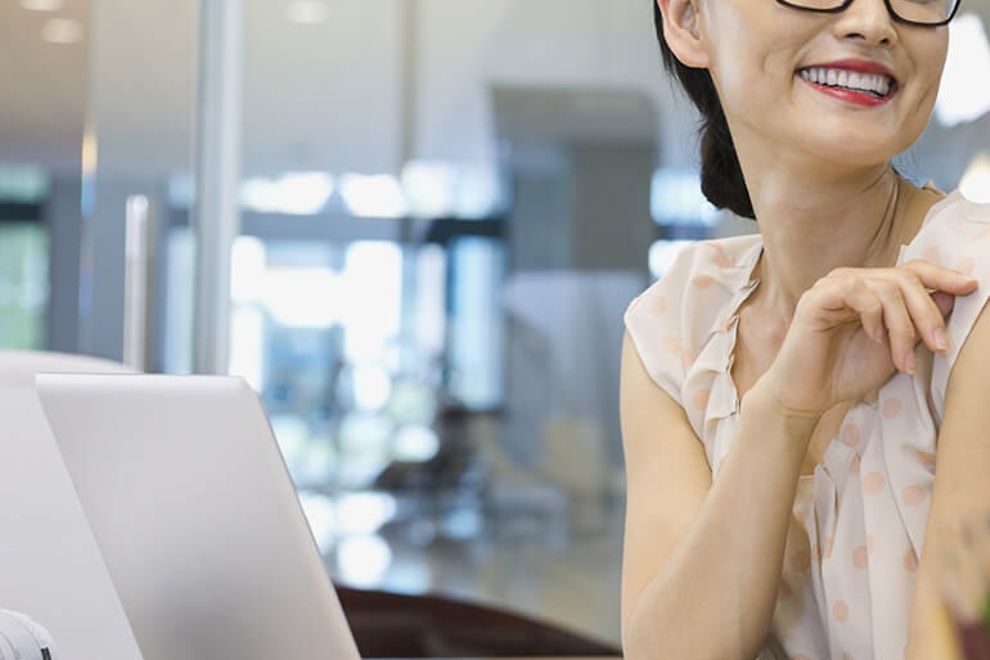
{"x":869,"y":20}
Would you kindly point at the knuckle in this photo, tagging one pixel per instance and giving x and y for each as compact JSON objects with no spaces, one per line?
{"x":842,"y":272}
{"x":849,"y":282}
{"x":900,"y":273}
{"x":821,"y":284}
{"x":887,"y":288}
{"x":908,"y":278}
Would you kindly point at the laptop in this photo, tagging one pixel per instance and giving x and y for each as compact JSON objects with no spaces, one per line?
{"x":196,"y":516}
{"x":51,"y":568}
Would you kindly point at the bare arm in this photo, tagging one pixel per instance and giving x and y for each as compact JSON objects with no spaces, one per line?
{"x":702,"y":561}
{"x":962,"y":490}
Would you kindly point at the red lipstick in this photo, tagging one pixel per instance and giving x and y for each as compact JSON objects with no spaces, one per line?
{"x":853,"y":96}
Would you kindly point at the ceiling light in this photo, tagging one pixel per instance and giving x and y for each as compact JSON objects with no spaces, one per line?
{"x":62,"y":31}
{"x":374,"y":196}
{"x":308,"y":12}
{"x":436,"y":189}
{"x":42,"y":5}
{"x":294,"y":193}
{"x":430,"y":187}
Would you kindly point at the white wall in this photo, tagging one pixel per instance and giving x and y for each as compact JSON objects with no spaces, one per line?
{"x":330,"y":97}
{"x":467,"y":45}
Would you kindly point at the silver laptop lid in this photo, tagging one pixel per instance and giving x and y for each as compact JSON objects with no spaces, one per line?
{"x":198,"y":521}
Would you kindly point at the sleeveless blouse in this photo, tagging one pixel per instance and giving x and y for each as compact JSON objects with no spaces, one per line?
{"x":859,"y":521}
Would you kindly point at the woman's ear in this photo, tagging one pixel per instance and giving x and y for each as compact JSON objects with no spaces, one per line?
{"x":681,"y":30}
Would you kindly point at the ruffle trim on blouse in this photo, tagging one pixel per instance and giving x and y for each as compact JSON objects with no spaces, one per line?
{"x":708,"y":387}
{"x":708,"y":391}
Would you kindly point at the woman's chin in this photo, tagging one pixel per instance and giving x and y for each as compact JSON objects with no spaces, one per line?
{"x":853,"y":150}
{"x":858,"y":141}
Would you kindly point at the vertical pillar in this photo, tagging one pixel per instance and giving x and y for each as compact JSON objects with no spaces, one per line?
{"x":218,"y":167}
{"x":409,"y":63}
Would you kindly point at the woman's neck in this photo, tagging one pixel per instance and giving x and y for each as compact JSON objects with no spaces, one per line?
{"x":808,"y":230}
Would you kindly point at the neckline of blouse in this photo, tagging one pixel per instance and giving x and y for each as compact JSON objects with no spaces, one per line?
{"x":748,"y":267}
{"x":730,"y":326}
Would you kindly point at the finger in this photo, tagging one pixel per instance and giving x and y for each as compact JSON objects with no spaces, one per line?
{"x":928,"y":319}
{"x":870,"y":309}
{"x":901,"y":331}
{"x":941,"y":279}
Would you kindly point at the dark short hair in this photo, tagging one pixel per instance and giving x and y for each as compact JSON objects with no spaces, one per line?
{"x":721,"y":175}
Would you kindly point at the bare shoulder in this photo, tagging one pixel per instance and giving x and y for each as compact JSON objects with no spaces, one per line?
{"x":670,"y":320}
{"x":963,"y":450}
{"x":966,"y":413}
{"x":656,"y":431}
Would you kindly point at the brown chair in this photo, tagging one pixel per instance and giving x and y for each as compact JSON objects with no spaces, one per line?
{"x":388,"y":625}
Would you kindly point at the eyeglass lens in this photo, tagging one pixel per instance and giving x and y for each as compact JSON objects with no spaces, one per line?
{"x":916,"y":11}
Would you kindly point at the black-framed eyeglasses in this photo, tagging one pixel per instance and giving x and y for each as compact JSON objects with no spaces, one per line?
{"x":925,"y":13}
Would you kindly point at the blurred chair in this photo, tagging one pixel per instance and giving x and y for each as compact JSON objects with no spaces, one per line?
{"x":388,"y":625}
{"x":20,"y":367}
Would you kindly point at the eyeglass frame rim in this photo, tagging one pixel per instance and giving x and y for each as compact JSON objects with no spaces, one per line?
{"x":890,"y":9}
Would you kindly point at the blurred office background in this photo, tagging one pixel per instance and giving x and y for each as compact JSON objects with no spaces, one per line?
{"x":436,"y":212}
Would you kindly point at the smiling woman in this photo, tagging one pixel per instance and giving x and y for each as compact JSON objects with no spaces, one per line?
{"x":787,"y":395}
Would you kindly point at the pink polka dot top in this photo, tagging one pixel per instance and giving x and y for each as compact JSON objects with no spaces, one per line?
{"x":859,"y":520}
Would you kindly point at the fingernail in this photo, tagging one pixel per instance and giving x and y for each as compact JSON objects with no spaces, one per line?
{"x":940,"y":339}
{"x":909,"y":362}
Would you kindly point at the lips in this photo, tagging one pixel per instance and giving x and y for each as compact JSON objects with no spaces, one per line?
{"x":853,"y":96}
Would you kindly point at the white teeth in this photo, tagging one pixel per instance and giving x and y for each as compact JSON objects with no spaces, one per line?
{"x":871,"y":82}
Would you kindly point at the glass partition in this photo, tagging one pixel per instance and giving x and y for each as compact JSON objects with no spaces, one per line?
{"x":448,"y":204}
{"x":44,"y":56}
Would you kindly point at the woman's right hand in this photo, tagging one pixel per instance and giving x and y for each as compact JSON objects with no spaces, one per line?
{"x":855,"y":327}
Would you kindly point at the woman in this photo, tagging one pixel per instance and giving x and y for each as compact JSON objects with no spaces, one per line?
{"x":787,"y":395}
